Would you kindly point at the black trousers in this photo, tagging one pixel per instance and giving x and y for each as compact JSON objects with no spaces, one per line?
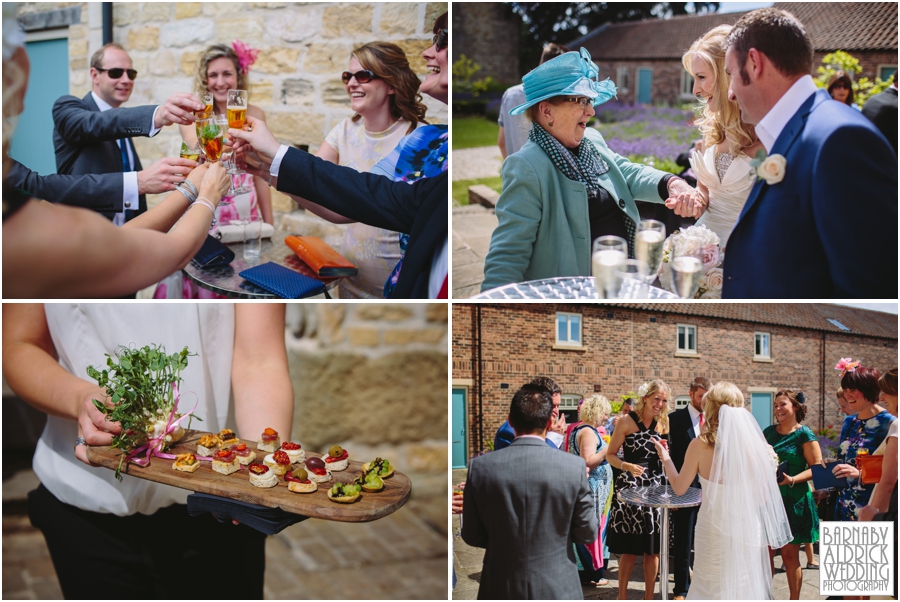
{"x":683,"y":522}
{"x":165,"y":555}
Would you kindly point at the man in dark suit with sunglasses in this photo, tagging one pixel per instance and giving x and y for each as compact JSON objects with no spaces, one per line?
{"x":92,"y":135}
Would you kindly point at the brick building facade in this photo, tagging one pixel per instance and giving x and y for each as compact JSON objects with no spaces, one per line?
{"x":644,"y":57}
{"x":496,"y":348}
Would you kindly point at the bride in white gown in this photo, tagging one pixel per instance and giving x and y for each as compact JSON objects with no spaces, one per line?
{"x":722,"y":164}
{"x":741,"y":515}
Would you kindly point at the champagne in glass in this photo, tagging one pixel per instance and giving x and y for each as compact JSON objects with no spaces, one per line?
{"x":236,"y":107}
{"x":632,"y":270}
{"x":609,"y":253}
{"x":648,"y":244}
{"x":665,"y":493}
{"x":686,"y":272}
{"x":859,"y":484}
{"x":207,"y":110}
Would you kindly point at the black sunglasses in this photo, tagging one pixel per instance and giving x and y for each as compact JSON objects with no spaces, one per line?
{"x":363,"y":77}
{"x":440,"y":39}
{"x":116,"y":72}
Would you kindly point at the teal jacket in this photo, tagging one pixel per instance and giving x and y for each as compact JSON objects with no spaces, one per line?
{"x":544,"y":229}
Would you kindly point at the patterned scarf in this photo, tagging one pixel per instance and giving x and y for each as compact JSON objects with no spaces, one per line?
{"x":583,"y":164}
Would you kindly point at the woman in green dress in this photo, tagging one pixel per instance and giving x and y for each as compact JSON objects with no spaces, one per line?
{"x":797,"y":446}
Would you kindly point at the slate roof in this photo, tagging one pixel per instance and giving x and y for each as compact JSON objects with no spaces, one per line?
{"x":813,"y":316}
{"x":831,"y":26}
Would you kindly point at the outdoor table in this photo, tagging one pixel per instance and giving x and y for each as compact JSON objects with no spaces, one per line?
{"x":652,"y":498}
{"x":225,"y":280}
{"x":571,"y":287}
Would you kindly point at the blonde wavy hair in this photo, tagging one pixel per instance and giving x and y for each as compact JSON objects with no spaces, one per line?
{"x":721,"y":394}
{"x":662,"y":423}
{"x":595,"y":410}
{"x":212,"y":53}
{"x":725,"y":123}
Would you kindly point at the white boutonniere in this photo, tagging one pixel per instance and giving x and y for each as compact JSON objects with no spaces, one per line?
{"x":768,"y":168}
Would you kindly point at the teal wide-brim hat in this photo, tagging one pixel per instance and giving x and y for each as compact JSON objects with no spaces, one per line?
{"x":569,"y":74}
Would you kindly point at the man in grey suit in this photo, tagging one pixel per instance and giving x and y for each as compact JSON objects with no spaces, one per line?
{"x":526,"y":504}
{"x":92,"y":135}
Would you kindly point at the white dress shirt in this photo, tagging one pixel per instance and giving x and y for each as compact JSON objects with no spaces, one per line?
{"x":130,"y":194}
{"x":769,"y":127}
{"x":695,"y":419}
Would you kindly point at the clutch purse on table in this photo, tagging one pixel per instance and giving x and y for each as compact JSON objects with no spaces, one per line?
{"x":281,"y":281}
{"x":321,"y":258}
{"x":212,"y":254}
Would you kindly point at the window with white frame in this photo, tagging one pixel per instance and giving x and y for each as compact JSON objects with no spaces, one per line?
{"x":622,"y":79}
{"x":682,"y":401}
{"x":568,"y":329}
{"x":886,"y":71}
{"x":687,"y":84}
{"x":762,"y":346}
{"x":568,"y":404}
{"x":687,"y":339}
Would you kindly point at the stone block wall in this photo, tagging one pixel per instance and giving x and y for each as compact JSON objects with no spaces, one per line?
{"x":487,"y":33}
{"x":304,"y":47}
{"x":372,"y":377}
{"x":622,"y":348}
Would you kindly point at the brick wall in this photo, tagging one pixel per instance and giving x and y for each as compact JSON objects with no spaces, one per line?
{"x":622,"y":351}
{"x":304,"y":47}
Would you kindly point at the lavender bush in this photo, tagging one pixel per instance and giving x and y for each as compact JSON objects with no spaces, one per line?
{"x":647,"y":134}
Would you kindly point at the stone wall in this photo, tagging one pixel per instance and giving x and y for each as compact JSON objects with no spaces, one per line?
{"x":488,"y":34}
{"x":304,"y":47}
{"x":372,"y":377}
{"x":622,"y":348}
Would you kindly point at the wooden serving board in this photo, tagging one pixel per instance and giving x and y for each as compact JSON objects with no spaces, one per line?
{"x":236,"y":486}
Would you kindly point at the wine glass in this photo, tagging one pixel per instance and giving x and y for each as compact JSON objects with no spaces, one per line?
{"x":633,"y":270}
{"x":206,"y":112}
{"x":609,"y":253}
{"x":687,"y":269}
{"x":648,"y":244}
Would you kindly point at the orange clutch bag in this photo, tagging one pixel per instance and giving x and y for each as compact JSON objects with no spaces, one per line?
{"x":322,"y":259}
{"x":869,"y":469}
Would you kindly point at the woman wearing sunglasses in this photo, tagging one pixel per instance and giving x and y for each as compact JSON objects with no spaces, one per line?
{"x":421,"y":154}
{"x":565,"y":187}
{"x":383,"y":92}
{"x":840,"y":86}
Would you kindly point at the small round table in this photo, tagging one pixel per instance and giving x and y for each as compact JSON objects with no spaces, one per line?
{"x":651,"y":497}
{"x":571,"y":287}
{"x":226,"y":281}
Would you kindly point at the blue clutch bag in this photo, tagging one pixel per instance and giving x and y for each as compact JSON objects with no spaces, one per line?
{"x":281,"y":281}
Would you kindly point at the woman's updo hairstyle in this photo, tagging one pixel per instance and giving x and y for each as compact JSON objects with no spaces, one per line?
{"x":798,"y":400}
{"x":721,"y":394}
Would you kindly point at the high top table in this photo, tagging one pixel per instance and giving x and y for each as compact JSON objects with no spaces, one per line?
{"x":652,"y":497}
{"x":571,"y":287}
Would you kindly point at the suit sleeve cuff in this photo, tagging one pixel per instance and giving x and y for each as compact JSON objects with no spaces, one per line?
{"x":153,"y":129}
{"x":130,"y":195}
{"x":276,"y":162}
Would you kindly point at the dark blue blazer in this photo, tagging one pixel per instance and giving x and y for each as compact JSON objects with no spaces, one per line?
{"x":506,"y":435}
{"x":829,"y":228}
{"x":91,"y":191}
{"x":85,"y":141}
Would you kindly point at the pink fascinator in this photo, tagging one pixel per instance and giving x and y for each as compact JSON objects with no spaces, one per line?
{"x":246,"y":55}
{"x":846,"y":365}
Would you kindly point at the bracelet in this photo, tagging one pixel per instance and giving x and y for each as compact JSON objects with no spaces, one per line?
{"x":208,"y":204}
{"x":191,"y":187}
{"x":188,"y":194}
{"x":792,"y":480}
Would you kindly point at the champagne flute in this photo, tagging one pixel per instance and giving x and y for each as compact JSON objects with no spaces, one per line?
{"x":236,"y":111}
{"x":633,"y":270}
{"x":665,"y":493}
{"x":687,"y":269}
{"x":609,"y":253}
{"x":860,"y":452}
{"x":227,"y":158}
{"x":206,"y":112}
{"x":648,"y":245}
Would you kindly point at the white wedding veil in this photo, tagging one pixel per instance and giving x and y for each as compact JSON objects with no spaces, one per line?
{"x":746,"y":505}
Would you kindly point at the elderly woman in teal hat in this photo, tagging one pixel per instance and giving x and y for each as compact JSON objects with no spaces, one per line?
{"x":565,"y":187}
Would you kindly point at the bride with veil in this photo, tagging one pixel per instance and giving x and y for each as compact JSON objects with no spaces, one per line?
{"x":742,"y":514}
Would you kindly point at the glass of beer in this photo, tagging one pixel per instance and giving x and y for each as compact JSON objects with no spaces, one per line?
{"x":236,"y":105}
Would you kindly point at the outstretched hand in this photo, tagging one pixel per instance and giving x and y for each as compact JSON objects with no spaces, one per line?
{"x":179,"y":109}
{"x":255,"y":148}
{"x":93,"y":425}
{"x":684,"y":200}
{"x":661,"y":449}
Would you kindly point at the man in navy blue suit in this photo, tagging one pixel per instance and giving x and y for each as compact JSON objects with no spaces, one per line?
{"x":835,"y":181}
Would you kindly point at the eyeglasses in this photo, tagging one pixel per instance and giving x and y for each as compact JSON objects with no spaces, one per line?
{"x":584,"y":102}
{"x":363,"y":77}
{"x":440,"y":39}
{"x":117,"y":72}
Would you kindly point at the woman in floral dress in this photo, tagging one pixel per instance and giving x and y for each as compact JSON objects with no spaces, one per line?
{"x":586,"y":441}
{"x":797,"y":446}
{"x":865,"y":429}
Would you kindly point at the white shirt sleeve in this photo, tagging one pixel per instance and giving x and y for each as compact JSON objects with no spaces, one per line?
{"x":276,"y":162}
{"x":153,"y":129}
{"x":130,"y":191}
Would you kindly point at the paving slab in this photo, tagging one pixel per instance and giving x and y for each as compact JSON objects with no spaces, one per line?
{"x":474,"y":163}
{"x":472,"y":230}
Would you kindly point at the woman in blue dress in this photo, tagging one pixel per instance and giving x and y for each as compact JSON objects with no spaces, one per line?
{"x":864,"y":429}
{"x":586,"y":441}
